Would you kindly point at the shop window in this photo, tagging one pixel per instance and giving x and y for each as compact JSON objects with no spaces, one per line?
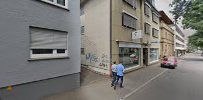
{"x":129,"y":57}
{"x":154,"y":54}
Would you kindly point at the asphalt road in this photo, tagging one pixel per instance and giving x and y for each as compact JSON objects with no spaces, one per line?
{"x":183,"y":83}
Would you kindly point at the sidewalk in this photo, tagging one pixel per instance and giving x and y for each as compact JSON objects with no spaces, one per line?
{"x":100,"y":89}
{"x":192,"y":56}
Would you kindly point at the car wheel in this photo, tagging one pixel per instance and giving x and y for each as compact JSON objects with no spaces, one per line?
{"x":162,"y":65}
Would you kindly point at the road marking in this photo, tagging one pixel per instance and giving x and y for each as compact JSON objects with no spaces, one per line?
{"x":129,"y":94}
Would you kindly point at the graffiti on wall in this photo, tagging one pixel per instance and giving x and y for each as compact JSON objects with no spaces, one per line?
{"x":92,"y":58}
{"x":104,"y":61}
{"x":101,"y":62}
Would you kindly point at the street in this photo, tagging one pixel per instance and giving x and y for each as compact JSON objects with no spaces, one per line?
{"x":149,"y":83}
{"x":183,"y":83}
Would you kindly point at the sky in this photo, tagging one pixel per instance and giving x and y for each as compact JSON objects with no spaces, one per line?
{"x":164,"y":5}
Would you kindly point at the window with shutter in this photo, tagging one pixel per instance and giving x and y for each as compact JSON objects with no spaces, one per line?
{"x":155,"y":17}
{"x":147,"y":28}
{"x":155,"y":33}
{"x":129,"y":21}
{"x":132,"y":3}
{"x":46,"y":43}
{"x":147,"y":10}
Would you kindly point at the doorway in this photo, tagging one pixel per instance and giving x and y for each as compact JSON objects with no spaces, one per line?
{"x":145,"y":56}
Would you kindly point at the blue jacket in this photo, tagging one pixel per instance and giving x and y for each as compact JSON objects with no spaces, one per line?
{"x":120,"y":69}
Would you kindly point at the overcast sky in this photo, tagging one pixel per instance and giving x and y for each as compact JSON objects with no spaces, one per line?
{"x":164,"y":5}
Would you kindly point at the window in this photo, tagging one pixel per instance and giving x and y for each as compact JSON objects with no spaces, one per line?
{"x":131,"y":3}
{"x":147,"y":28}
{"x":60,"y":3}
{"x":166,"y":34}
{"x":82,"y":29}
{"x":154,"y":54}
{"x":82,"y":51}
{"x":147,"y":10}
{"x":82,"y":12}
{"x":178,"y":38}
{"x":129,"y":21}
{"x":155,"y":33}
{"x":155,"y":17}
{"x":129,"y":57}
{"x":46,"y":43}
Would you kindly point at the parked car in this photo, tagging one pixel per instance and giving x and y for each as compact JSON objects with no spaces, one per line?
{"x":170,"y":62}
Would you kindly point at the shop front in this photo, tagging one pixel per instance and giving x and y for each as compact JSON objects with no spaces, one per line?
{"x":129,"y":54}
{"x":154,"y":55}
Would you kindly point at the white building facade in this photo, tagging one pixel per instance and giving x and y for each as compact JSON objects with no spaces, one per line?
{"x":179,"y":39}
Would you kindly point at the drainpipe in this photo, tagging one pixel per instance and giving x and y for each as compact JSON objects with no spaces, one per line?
{"x":110,"y":35}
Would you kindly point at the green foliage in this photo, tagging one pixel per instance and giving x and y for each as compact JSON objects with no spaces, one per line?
{"x":192,"y":13}
{"x":193,"y":16}
{"x":196,"y":40}
{"x":178,"y":8}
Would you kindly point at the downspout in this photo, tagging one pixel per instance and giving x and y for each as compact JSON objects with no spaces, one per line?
{"x":110,"y":35}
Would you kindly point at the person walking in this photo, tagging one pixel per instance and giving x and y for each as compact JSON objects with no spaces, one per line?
{"x":114,"y":73}
{"x":120,"y":74}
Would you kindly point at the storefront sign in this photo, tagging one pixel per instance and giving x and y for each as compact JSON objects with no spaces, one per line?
{"x":129,"y":45}
{"x":137,"y":34}
{"x":155,"y":42}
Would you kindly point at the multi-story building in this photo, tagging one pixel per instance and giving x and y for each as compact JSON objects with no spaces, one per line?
{"x":179,"y":38}
{"x":39,"y":48}
{"x":151,"y":37}
{"x":167,"y":35}
{"x":118,"y":30}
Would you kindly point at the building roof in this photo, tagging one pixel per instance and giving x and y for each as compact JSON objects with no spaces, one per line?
{"x":165,"y":18}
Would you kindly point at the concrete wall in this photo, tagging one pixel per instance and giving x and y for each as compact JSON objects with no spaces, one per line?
{"x":15,"y":20}
{"x":41,"y":89}
{"x":96,"y":39}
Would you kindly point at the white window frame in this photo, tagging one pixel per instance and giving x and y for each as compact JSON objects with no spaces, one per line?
{"x":54,"y":55}
{"x":134,"y":17}
{"x":48,"y":56}
{"x":56,"y":4}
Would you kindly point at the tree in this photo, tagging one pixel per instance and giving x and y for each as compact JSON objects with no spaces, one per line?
{"x":192,"y":13}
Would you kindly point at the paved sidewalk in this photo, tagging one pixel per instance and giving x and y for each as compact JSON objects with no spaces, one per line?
{"x":100,"y":89}
{"x":192,"y":56}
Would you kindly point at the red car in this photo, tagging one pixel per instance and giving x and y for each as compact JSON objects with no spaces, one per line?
{"x":170,"y":62}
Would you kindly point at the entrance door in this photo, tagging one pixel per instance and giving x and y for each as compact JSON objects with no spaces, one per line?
{"x":145,"y":56}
